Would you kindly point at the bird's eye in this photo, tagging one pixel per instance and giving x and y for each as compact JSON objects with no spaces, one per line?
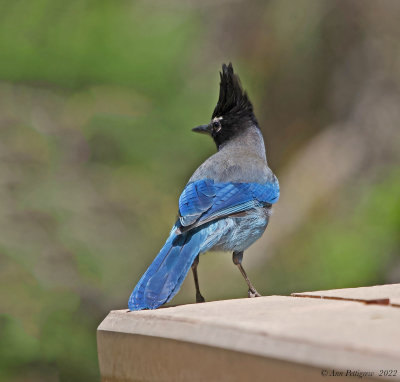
{"x":217,"y":125}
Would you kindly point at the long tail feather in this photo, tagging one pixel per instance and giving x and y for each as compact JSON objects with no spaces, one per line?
{"x":166,"y":273}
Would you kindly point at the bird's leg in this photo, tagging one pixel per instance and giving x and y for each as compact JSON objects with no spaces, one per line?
{"x":199,"y":297}
{"x":237,"y":258}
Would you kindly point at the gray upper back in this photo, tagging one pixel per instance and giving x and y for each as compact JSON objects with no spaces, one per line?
{"x":241,"y":160}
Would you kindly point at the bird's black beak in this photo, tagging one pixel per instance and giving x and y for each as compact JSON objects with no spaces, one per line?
{"x":204,"y":129}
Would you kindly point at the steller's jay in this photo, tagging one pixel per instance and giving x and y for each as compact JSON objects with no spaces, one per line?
{"x":225,"y":205}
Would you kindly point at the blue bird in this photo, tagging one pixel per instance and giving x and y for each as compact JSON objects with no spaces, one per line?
{"x":225,"y":206}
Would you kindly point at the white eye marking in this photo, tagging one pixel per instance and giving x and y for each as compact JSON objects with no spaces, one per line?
{"x":217,"y":124}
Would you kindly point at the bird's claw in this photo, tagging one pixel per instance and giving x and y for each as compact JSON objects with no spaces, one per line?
{"x":253,"y":293}
{"x":199,"y":298}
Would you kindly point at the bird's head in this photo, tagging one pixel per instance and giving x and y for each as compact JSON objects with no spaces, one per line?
{"x":234,"y":111}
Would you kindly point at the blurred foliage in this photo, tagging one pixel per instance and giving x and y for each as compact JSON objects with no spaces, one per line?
{"x":97,"y":99}
{"x":352,"y":247}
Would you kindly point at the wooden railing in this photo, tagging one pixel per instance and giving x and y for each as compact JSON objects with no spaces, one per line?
{"x":343,"y":334}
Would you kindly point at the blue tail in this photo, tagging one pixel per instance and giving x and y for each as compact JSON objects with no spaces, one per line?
{"x":166,"y":273}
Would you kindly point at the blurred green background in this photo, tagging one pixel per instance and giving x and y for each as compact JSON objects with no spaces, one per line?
{"x":97,"y":99}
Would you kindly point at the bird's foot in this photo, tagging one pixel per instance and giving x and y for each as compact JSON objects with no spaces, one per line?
{"x":253,"y":293}
{"x":199,"y":298}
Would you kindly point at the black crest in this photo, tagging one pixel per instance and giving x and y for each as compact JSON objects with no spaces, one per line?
{"x":233,"y":102}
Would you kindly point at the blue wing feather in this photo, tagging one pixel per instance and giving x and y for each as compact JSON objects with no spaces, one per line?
{"x":205,"y":200}
{"x":195,"y":199}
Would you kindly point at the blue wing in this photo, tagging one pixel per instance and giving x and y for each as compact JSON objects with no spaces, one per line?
{"x":204,"y":200}
{"x":196,"y":198}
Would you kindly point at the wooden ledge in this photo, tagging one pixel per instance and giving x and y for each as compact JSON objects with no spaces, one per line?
{"x":267,"y":338}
